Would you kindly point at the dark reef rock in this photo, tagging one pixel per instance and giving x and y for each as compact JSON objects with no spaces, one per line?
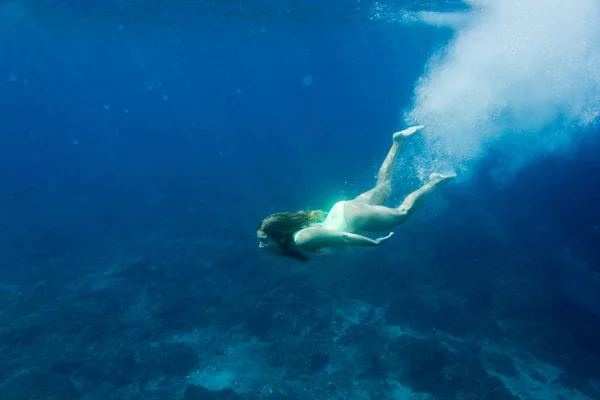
{"x":429,"y":367}
{"x":200,"y":393}
{"x":501,"y":363}
{"x":40,"y":385}
{"x":578,"y":382}
{"x":169,"y":359}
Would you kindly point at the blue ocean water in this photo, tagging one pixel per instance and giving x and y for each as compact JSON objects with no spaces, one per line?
{"x":141,"y":142}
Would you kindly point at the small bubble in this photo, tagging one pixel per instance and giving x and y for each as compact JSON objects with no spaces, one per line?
{"x":106,"y":107}
{"x":307,"y":80}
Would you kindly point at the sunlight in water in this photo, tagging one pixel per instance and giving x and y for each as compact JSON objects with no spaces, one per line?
{"x":11,"y":11}
{"x":521,"y":74}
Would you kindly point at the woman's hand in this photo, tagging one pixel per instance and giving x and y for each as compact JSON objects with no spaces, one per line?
{"x":382,"y":240}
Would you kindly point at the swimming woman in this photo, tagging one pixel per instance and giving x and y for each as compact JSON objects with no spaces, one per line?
{"x":299,"y":234}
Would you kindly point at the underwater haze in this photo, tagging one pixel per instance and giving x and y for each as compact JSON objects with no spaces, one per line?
{"x":142,"y":142}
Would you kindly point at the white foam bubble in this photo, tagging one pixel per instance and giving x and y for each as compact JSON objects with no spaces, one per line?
{"x":388,"y":13}
{"x":443,"y":19}
{"x":524,"y":74}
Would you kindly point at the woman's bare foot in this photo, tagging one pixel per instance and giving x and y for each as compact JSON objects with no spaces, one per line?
{"x":437,"y":178}
{"x":399,"y":136}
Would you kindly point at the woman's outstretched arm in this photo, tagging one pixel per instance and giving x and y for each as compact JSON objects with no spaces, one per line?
{"x":315,"y":239}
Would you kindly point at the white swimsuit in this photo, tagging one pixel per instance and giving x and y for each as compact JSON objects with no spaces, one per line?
{"x":335,"y":221}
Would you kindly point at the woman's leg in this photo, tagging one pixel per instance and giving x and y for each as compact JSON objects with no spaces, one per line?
{"x":379,"y":194}
{"x":361,"y":216}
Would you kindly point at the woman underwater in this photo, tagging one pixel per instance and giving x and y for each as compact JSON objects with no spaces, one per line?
{"x":299,"y":234}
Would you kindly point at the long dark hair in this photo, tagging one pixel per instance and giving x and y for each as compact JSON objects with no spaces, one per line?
{"x":281,"y":227}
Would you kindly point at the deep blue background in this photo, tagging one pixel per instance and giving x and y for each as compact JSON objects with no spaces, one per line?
{"x":107,"y":114}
